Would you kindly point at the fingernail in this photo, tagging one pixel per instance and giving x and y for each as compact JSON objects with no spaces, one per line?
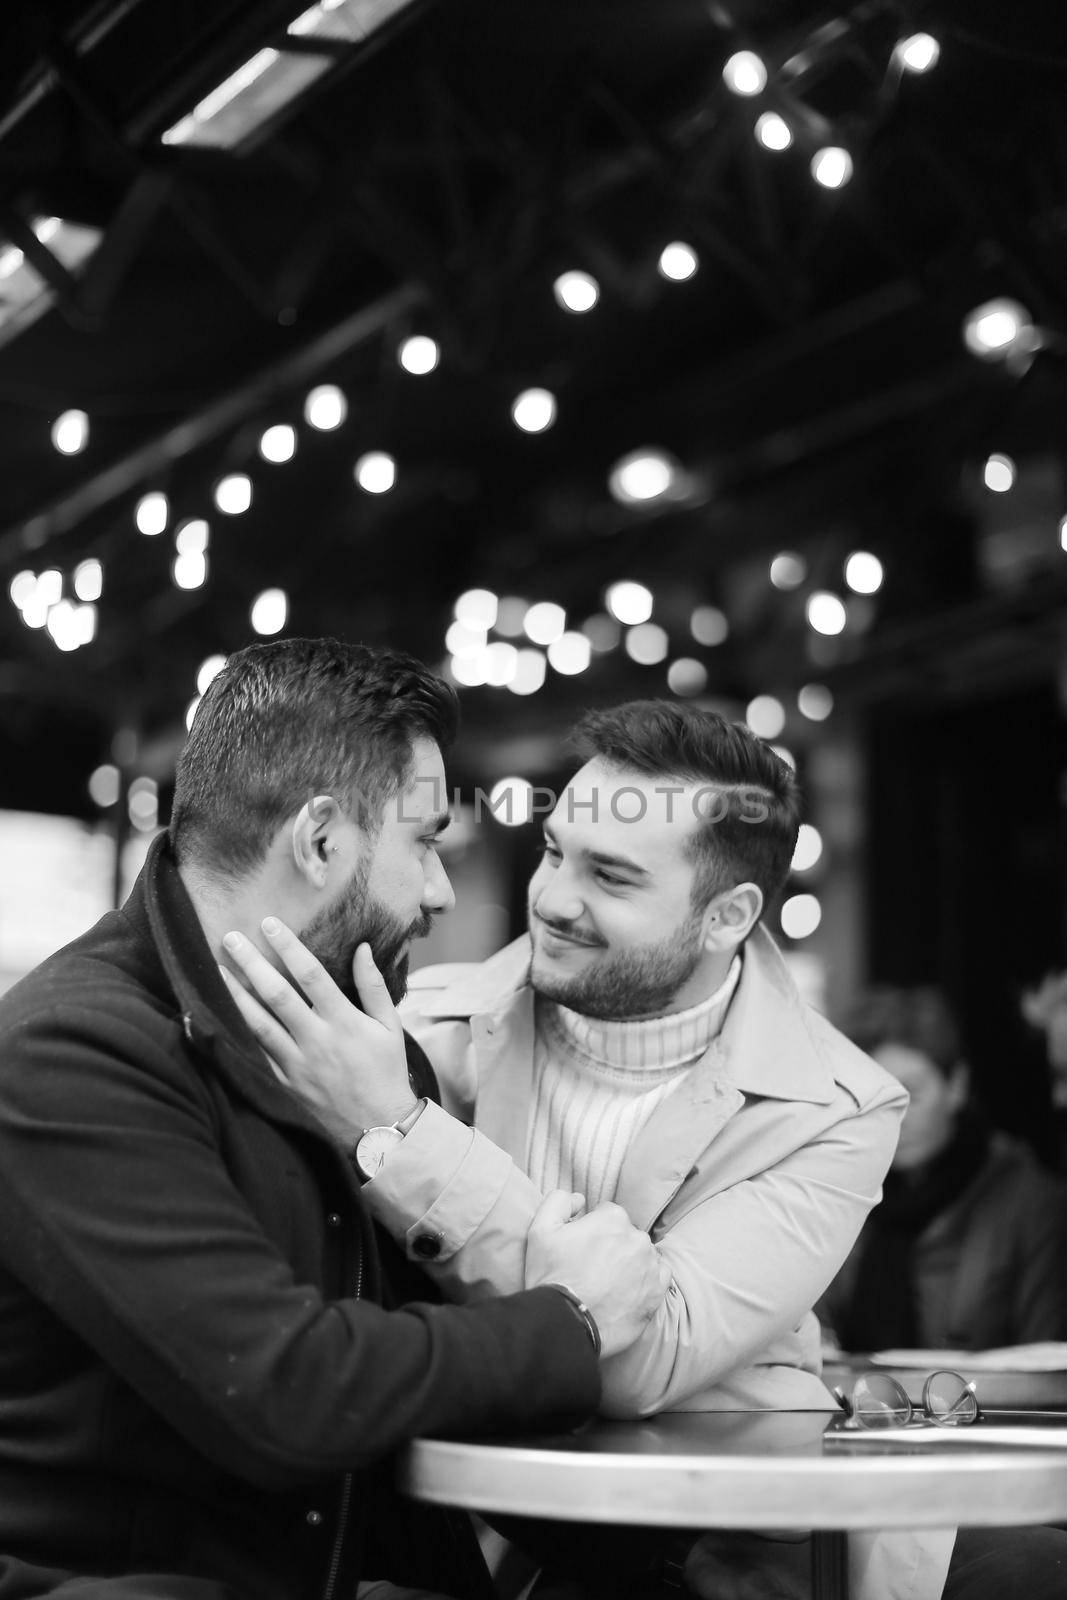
{"x":271,"y":926}
{"x":232,"y":941}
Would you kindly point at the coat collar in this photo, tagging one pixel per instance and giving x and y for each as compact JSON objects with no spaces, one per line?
{"x":160,"y":909}
{"x":766,"y":1046}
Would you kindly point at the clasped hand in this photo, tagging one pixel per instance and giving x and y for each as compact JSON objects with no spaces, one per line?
{"x":347,"y":1066}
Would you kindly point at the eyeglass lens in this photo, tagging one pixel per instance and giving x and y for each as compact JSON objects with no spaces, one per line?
{"x":878,"y":1401}
{"x":949,"y":1400}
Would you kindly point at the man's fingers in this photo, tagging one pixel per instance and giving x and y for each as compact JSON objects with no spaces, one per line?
{"x":271,"y":986}
{"x":267,"y":1029}
{"x":370,"y":986}
{"x":555,"y":1209}
{"x":307,"y":969}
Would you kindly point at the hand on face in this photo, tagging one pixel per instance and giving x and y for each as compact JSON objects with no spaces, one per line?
{"x":347,"y":1066}
{"x":607,"y":1262}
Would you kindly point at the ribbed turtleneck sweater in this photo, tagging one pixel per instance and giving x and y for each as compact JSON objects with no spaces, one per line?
{"x":597,"y":1083}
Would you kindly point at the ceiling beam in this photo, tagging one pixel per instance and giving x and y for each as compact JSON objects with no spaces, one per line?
{"x":156,"y":454}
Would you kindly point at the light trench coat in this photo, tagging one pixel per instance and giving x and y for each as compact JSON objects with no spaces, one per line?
{"x":753,"y":1178}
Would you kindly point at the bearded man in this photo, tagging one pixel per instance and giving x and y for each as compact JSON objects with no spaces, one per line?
{"x":208,"y":1352}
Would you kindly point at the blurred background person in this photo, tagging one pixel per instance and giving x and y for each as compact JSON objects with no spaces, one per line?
{"x":967,"y":1248}
{"x":1045,"y":1008}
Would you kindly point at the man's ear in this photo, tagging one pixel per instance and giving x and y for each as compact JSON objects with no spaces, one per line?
{"x":731,"y":917}
{"x":312,"y":838}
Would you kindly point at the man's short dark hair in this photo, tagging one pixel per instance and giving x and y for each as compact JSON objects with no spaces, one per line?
{"x":751,"y":836}
{"x":291,"y":719}
{"x":919,"y":1018}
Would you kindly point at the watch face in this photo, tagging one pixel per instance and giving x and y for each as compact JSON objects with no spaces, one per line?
{"x":373,"y":1146}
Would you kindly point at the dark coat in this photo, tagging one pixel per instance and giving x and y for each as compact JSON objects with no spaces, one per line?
{"x":989,"y":1268}
{"x":196,"y":1373}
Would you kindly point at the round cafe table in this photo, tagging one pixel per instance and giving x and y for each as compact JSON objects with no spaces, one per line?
{"x":746,"y":1470}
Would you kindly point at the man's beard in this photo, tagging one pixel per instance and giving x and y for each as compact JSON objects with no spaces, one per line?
{"x":357,"y":918}
{"x":634,"y":983}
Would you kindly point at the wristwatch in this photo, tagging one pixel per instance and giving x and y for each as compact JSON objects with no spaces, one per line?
{"x":374,"y":1144}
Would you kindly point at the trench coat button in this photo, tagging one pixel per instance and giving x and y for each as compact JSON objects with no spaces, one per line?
{"x":427,"y":1246}
{"x":333,"y":1219}
{"x":314,"y":1519}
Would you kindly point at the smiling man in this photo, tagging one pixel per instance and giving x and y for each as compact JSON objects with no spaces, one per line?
{"x":644,"y":1044}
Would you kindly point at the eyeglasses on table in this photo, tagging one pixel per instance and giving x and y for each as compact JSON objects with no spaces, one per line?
{"x":877,"y":1400}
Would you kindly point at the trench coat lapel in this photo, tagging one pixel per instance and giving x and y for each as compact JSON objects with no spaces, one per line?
{"x":674,"y":1137}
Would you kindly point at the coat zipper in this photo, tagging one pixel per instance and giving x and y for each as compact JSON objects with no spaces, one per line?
{"x":346,"y":1497}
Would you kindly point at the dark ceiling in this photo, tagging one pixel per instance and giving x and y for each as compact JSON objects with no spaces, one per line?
{"x":811,"y":377}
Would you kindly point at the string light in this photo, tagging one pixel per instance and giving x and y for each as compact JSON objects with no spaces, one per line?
{"x":808,"y":848}
{"x":642,"y":475}
{"x":831,"y":167}
{"x":788,"y":570}
{"x":22,"y":588}
{"x":278,"y":443}
{"x":998,"y":474}
{"x":61,"y":625}
{"x":152,"y":513}
{"x":815,"y":702}
{"x":233,"y":493}
{"x":918,"y":53}
{"x":531,"y":669}
{"x":375,"y":472}
{"x":511,"y":802}
{"x":678,"y":261}
{"x":463,"y":640}
{"x":189,"y":571}
{"x":709,"y":626}
{"x":800,"y":916}
{"x":544,"y":622}
{"x":826,"y":612}
{"x":104,"y":785}
{"x":471,"y":671}
{"x":773,"y":131}
{"x":35,"y":612}
{"x":270,"y":611}
{"x":501,"y":663}
{"x":325,"y":407}
{"x":602,"y":631}
{"x":993,"y":330}
{"x":191,"y":538}
{"x":647,"y":644}
{"x":142,"y":804}
{"x":89,"y":580}
{"x":419,"y":354}
{"x":570,"y":654}
{"x":864,"y":572}
{"x":576,"y":291}
{"x":744,"y":73}
{"x":477,"y":609}
{"x":534,"y":410}
{"x":49,"y":590}
{"x":765,"y":716}
{"x":208,"y":671}
{"x":687,"y":676}
{"x":629,"y":603}
{"x":70,"y":432}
